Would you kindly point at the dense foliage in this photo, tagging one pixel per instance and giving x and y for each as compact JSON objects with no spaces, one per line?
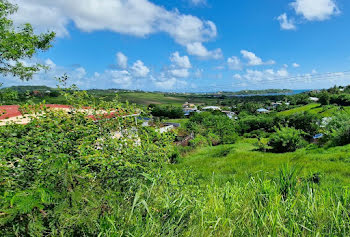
{"x":220,"y":128}
{"x":338,"y":130}
{"x":286,"y":140}
{"x":168,"y":111}
{"x":63,"y":174}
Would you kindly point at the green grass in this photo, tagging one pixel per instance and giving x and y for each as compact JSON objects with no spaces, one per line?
{"x":241,"y":161}
{"x":314,"y":108}
{"x":182,"y":122}
{"x":151,"y":98}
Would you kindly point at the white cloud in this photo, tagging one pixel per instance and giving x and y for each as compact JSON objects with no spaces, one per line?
{"x":122,"y":78}
{"x":79,"y":73}
{"x":139,"y":69}
{"x":315,"y":10}
{"x":234,"y":63}
{"x":265,"y":75}
{"x":285,"y":23}
{"x":50,"y":63}
{"x":183,"y":72}
{"x":168,"y":83}
{"x":254,"y":60}
{"x":237,"y":76}
{"x":197,"y":49}
{"x":181,"y":62}
{"x":122,"y":60}
{"x":295,"y":65}
{"x":198,"y":2}
{"x":132,"y":17}
{"x":282,"y":72}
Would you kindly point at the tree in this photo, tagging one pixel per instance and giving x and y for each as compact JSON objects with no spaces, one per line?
{"x":325,"y":98}
{"x":17,"y":44}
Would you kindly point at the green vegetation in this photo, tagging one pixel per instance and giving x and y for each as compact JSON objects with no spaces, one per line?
{"x":286,"y":140}
{"x":96,"y":172}
{"x":17,"y":44}
{"x":261,"y":92}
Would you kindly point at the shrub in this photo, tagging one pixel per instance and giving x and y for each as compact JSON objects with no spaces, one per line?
{"x":169,"y":111}
{"x":305,"y":121}
{"x":218,"y":128}
{"x":338,"y":130}
{"x":253,"y":123}
{"x":199,"y":141}
{"x":214,"y":139}
{"x":286,"y":139}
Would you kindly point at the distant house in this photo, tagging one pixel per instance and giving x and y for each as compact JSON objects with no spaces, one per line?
{"x":276,"y":104}
{"x":229,"y":114}
{"x":145,"y":121}
{"x":263,"y":111}
{"x":188,"y":111}
{"x":188,"y":105}
{"x":211,"y":108}
{"x":314,"y":99}
{"x":165,"y":128}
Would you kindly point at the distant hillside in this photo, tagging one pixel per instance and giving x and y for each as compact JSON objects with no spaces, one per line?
{"x":22,"y":89}
{"x":262,"y":92}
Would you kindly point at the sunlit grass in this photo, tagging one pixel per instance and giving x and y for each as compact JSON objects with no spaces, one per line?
{"x":241,"y":161}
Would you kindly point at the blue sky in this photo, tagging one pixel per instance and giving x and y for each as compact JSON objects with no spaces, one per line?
{"x":192,"y":45}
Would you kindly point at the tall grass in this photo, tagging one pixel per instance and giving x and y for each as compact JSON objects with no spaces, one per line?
{"x":174,"y":204}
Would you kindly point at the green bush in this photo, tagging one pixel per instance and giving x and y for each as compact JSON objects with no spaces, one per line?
{"x":338,"y":130}
{"x":168,"y":111}
{"x":199,"y":141}
{"x":61,"y":174}
{"x":305,"y":121}
{"x":214,"y":139}
{"x":217,"y":128}
{"x":286,"y":139}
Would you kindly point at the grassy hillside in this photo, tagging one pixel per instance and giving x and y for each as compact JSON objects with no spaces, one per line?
{"x":240,"y":161}
{"x":151,"y":98}
{"x":315,"y":108}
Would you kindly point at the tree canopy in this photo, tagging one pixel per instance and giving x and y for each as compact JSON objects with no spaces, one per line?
{"x":18,"y":44}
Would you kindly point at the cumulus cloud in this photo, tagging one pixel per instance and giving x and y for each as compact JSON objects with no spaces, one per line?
{"x":295,"y":65}
{"x":234,"y":63}
{"x":132,"y":17}
{"x":182,"y":62}
{"x":122,"y":78}
{"x":254,"y":60}
{"x":315,"y":10}
{"x":122,"y":60}
{"x":285,"y":23}
{"x":197,"y":49}
{"x":265,"y":75}
{"x":139,"y":69}
{"x":183,"y":72}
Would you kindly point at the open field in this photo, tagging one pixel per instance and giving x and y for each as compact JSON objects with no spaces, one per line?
{"x":240,"y":161}
{"x":315,"y":108}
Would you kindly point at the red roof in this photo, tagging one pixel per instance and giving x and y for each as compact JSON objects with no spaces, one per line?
{"x":9,"y":111}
